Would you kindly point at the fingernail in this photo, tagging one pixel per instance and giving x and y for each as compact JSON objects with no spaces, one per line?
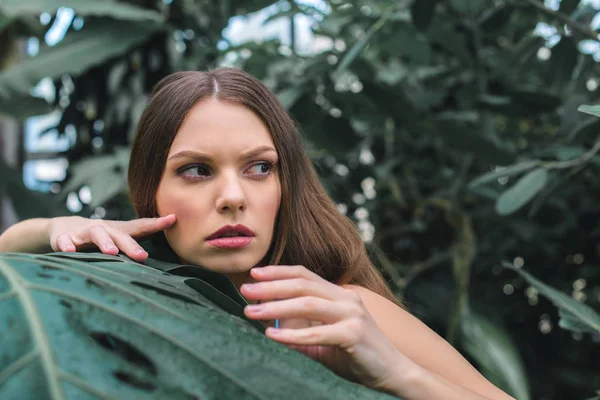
{"x":254,"y":307}
{"x":139,"y":250}
{"x":110,"y":246}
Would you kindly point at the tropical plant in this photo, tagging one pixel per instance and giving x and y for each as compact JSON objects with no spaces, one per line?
{"x":448,"y":129}
{"x":88,"y":325}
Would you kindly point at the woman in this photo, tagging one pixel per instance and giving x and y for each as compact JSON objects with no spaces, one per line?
{"x":218,"y":165}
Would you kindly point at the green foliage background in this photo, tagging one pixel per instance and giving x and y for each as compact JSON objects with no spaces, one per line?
{"x":408,"y":114}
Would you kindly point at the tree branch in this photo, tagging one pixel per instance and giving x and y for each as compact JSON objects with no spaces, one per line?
{"x":570,"y":22}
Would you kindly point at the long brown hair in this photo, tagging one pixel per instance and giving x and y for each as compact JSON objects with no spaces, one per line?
{"x":309,"y":231}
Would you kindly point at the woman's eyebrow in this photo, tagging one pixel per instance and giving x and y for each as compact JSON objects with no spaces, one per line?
{"x":190,"y":154}
{"x":205,"y":157}
{"x":257,"y":151}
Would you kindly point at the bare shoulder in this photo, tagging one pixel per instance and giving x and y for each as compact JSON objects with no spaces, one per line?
{"x":421,"y":344}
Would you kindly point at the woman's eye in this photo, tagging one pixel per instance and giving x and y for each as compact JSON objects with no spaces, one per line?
{"x":194,"y":170}
{"x":261,"y":169}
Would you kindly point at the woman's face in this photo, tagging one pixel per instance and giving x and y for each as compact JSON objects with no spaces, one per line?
{"x":220,"y":181}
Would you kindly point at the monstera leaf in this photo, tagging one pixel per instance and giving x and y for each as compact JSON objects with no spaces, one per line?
{"x":93,"y":326}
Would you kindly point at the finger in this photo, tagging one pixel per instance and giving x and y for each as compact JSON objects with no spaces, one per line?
{"x":142,"y":227}
{"x":102,"y":239}
{"x":274,"y":272}
{"x":311,"y":308}
{"x":129,"y":246}
{"x":65,"y":243}
{"x":289,"y":288}
{"x":324,"y":335}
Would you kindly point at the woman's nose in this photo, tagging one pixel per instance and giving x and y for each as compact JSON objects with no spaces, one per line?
{"x":232,"y":197}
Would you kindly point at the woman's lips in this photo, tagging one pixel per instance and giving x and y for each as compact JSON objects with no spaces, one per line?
{"x":231,"y":242}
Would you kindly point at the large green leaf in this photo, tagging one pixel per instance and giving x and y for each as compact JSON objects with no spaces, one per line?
{"x":522,"y":191}
{"x":574,"y":316}
{"x":96,"y":42}
{"x":495,"y":353}
{"x":110,"y":8}
{"x":82,"y":326}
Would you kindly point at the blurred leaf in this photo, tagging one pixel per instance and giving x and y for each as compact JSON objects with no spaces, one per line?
{"x":5,"y":20}
{"x":521,"y":192}
{"x":96,"y":42}
{"x":502,"y":172}
{"x":563,"y":60}
{"x":568,"y":6}
{"x":333,"y":25}
{"x":21,"y":106}
{"x":27,"y":203}
{"x":442,"y":33}
{"x":358,"y":47}
{"x":289,"y":96}
{"x":574,"y":316}
{"x":592,"y":110}
{"x":520,"y":102}
{"x":109,"y":8}
{"x":498,"y":18}
{"x":468,"y":7}
{"x":496,"y":354}
{"x":464,"y":138}
{"x":105,"y":175}
{"x":422,"y":13}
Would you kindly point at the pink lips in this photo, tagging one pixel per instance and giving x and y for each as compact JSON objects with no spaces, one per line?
{"x":231,"y":237}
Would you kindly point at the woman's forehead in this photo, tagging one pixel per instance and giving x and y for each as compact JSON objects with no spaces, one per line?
{"x":216,"y":127}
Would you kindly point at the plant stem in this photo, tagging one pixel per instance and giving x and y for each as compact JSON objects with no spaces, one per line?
{"x":570,"y":22}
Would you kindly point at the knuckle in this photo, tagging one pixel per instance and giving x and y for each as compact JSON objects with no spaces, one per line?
{"x":299,"y":286}
{"x":355,"y":330}
{"x":309,"y":302}
{"x":300,"y":269}
{"x":96,"y":227}
{"x":356,"y":310}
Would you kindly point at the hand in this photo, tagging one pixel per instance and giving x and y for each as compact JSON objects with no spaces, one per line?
{"x":326,"y":322}
{"x":70,"y":234}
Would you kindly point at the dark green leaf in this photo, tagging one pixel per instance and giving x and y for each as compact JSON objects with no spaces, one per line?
{"x":109,"y":8}
{"x":564,"y":59}
{"x":358,"y":47}
{"x":95,"y":326}
{"x":468,"y":7}
{"x":521,"y":192}
{"x":444,"y":34}
{"x":463,"y":138}
{"x":575,"y":316}
{"x":20,"y":106}
{"x":503,"y":172}
{"x":5,"y":20}
{"x":497,"y":19}
{"x":27,"y":203}
{"x":422,"y":13}
{"x":568,"y":6}
{"x":77,"y":52}
{"x":496,"y":354}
